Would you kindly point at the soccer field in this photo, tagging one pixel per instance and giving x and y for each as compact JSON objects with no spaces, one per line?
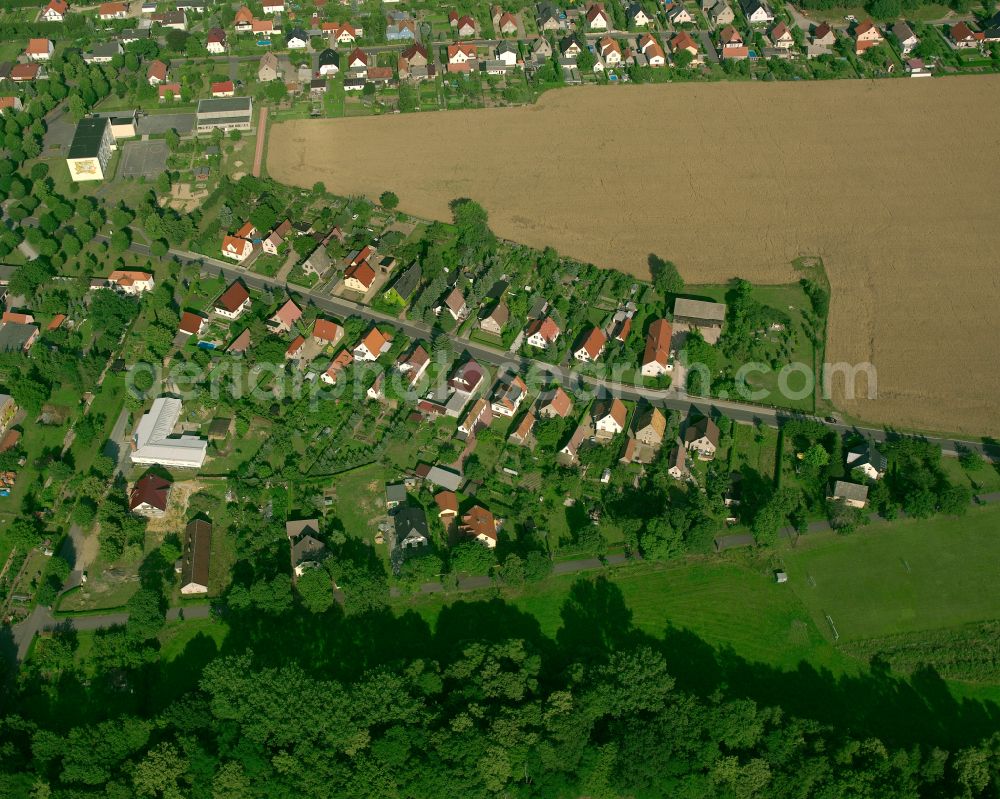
{"x":912,"y":575}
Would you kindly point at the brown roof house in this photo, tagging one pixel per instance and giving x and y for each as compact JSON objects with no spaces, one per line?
{"x":480,"y":525}
{"x":555,"y":403}
{"x":591,"y":346}
{"x":233,"y":301}
{"x":197,"y":551}
{"x":650,"y":426}
{"x":496,"y":320}
{"x":286,"y":316}
{"x":149,"y":495}
{"x":609,"y":418}
{"x":702,"y":438}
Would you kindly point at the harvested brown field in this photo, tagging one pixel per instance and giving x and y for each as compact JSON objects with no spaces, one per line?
{"x":892,"y":182}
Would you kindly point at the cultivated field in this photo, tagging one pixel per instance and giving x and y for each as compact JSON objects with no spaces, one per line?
{"x":891,"y":182}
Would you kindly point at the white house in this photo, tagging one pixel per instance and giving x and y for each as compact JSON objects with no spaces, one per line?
{"x":233,"y":302}
{"x":152,"y":442}
{"x":372,"y":346}
{"x":868,"y":460}
{"x":274,"y":6}
{"x":55,"y":11}
{"x":609,"y":418}
{"x":542,"y":333}
{"x":236,"y":248}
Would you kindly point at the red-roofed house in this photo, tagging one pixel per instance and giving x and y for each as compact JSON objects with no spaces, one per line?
{"x":461,"y":57}
{"x":327,"y":332}
{"x":39,"y":49}
{"x":610,"y":51}
{"x":55,"y":11}
{"x":337,"y":365}
{"x":866,"y":36}
{"x":286,"y":316}
{"x":591,"y":346}
{"x":341,"y":33}
{"x":109,"y":11}
{"x":656,"y":358}
{"x":480,"y":525}
{"x":359,"y":277}
{"x":131,"y":281}
{"x":456,"y":305}
{"x":192,"y":324}
{"x":20,"y":73}
{"x":597,"y":18}
{"x":169,"y":91}
{"x":15,"y":318}
{"x":555,"y":404}
{"x":372,"y":346}
{"x":243,"y":21}
{"x":156,"y":73}
{"x":236,"y":248}
{"x":650,"y":48}
{"x":466,"y":27}
{"x":683,"y":42}
{"x":964,"y":37}
{"x":357,"y":60}
{"x":12,"y":103}
{"x":215,"y":43}
{"x":609,"y":418}
{"x":224,"y":88}
{"x":781,"y":36}
{"x":149,"y":495}
{"x":542,"y":333}
{"x":233,"y":301}
{"x":295,"y":348}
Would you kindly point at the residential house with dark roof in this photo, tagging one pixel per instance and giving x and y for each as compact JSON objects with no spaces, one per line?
{"x":149,"y":495}
{"x":196,"y":557}
{"x":702,"y":438}
{"x":410,"y":523}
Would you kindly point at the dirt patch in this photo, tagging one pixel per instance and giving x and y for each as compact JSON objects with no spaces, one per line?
{"x":184,"y":198}
{"x":886,"y":180}
{"x":175,"y":518}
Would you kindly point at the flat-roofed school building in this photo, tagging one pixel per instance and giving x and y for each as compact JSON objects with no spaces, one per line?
{"x":225,"y":113}
{"x":91,"y":149}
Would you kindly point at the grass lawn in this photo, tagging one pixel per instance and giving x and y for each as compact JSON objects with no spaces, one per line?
{"x":176,"y":635}
{"x":914,"y":575}
{"x":790,"y":300}
{"x":724,"y":603}
{"x":984,"y":480}
{"x":761,"y":456}
{"x":361,"y":500}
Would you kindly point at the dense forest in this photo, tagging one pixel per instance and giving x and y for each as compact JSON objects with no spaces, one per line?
{"x":372,"y":704}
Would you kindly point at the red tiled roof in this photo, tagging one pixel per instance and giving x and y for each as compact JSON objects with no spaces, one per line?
{"x":223,"y":86}
{"x":288,"y":314}
{"x":233,"y":297}
{"x":37,"y":46}
{"x":361,"y":272}
{"x":24,"y":72}
{"x":479,"y":521}
{"x":191,"y":323}
{"x":594,"y":342}
{"x":294,"y":347}
{"x":157,"y":69}
{"x":150,"y":489}
{"x":327,"y":330}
